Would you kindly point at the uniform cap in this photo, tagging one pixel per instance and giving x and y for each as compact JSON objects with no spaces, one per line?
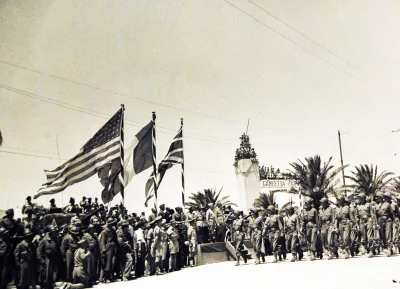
{"x":324,"y":200}
{"x":27,"y":232}
{"x":74,"y":230}
{"x":361,"y":195}
{"x":379,"y":194}
{"x":111,"y":221}
{"x":388,"y":195}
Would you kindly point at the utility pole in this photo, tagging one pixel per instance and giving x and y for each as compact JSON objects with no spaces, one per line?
{"x":341,"y":160}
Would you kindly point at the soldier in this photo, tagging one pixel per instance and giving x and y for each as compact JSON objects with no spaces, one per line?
{"x":292,"y":229}
{"x":182,"y":253}
{"x":354,"y":229}
{"x":192,"y":243}
{"x":202,"y":225}
{"x":343,"y":222}
{"x":81,"y":260}
{"x":72,"y":207}
{"x":385,"y":221}
{"x":5,"y":252}
{"x":25,"y":258}
{"x":163,"y":212}
{"x":364,"y":213}
{"x":95,"y":205}
{"x":28,"y":206}
{"x":53,"y":205}
{"x":157,"y":246}
{"x":272,"y":230}
{"x":152,"y":216}
{"x":69,"y":245}
{"x":94,"y":248}
{"x":48,"y":255}
{"x":83,"y":204}
{"x":309,"y":225}
{"x":396,"y":224}
{"x":328,"y":231}
{"x":239,"y":234}
{"x":108,"y":241}
{"x":9,"y":223}
{"x":212,"y":222}
{"x":173,"y":245}
{"x":150,"y":257}
{"x":125,"y":250}
{"x":140,"y":248}
{"x":89,"y":206}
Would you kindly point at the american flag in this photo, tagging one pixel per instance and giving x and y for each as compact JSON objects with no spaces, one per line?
{"x":174,"y":156}
{"x":102,"y":151}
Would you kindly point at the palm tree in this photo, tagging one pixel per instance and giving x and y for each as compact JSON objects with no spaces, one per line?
{"x":202,"y":199}
{"x":315,"y":179}
{"x":396,"y":186}
{"x":367,"y":180}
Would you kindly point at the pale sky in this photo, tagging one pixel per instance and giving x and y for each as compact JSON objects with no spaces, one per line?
{"x":334,"y":65}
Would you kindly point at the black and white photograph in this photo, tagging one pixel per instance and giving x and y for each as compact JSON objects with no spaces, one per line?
{"x":199,"y":144}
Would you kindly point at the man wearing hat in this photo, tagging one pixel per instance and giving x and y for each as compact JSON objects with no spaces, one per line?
{"x":292,"y":228}
{"x":211,"y":221}
{"x":28,"y":205}
{"x":8,"y":222}
{"x":125,"y":250}
{"x":257,"y":238}
{"x":385,"y":221}
{"x":309,"y":225}
{"x":150,"y":258}
{"x":239,"y":233}
{"x":272,"y":230}
{"x":68,"y":247}
{"x":53,"y":205}
{"x":180,"y":228}
{"x":72,"y":207}
{"x":157,"y":246}
{"x":202,"y":225}
{"x":5,"y":252}
{"x":81,"y":260}
{"x":94,"y":248}
{"x":329,"y":237}
{"x":364,"y":215}
{"x":108,"y":249}
{"x":140,"y":248}
{"x":192,"y":242}
{"x":25,"y":259}
{"x":49,"y":255}
{"x":173,"y":244}
{"x":343,"y":219}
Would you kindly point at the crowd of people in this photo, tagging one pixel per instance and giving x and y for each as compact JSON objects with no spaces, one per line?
{"x":87,"y":243}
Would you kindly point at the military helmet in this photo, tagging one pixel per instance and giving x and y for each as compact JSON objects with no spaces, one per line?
{"x":324,"y":200}
{"x":379,"y":194}
{"x":387,"y":195}
{"x":74,"y":230}
{"x":308,"y":200}
{"x":28,"y":233}
{"x":361,"y":195}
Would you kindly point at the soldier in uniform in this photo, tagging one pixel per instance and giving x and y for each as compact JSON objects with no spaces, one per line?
{"x":211,"y":221}
{"x":343,"y":219}
{"x":202,"y":225}
{"x":81,"y":259}
{"x":258,"y":237}
{"x":48,"y":255}
{"x":125,"y":250}
{"x":182,"y":253}
{"x":385,"y":221}
{"x":173,"y":245}
{"x":328,"y":230}
{"x":239,"y":234}
{"x":354,"y":229}
{"x":72,"y":208}
{"x":272,"y":230}
{"x":108,"y":249}
{"x":94,"y":248}
{"x":396,"y":224}
{"x":25,"y":258}
{"x":140,"y":248}
{"x":364,"y":213}
{"x":69,"y":245}
{"x":192,"y":242}
{"x":53,"y":205}
{"x":309,"y":225}
{"x":95,"y":205}
{"x":157,"y":247}
{"x":292,"y":229}
{"x":5,"y":251}
{"x":28,"y":206}
{"x":89,"y":206}
{"x":150,"y":257}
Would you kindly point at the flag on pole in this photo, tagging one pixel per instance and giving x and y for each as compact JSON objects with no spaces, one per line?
{"x":139,"y":155}
{"x":174,"y":156}
{"x":183,"y":168}
{"x":101,"y":150}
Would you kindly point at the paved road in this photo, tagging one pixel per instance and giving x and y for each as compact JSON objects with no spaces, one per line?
{"x":358,"y":272}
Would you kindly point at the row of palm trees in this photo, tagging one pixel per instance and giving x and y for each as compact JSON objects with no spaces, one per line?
{"x":316,"y":179}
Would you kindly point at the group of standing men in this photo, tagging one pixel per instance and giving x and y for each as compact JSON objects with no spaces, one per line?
{"x":358,"y":226}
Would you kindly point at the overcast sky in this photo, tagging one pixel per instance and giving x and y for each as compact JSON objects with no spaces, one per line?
{"x":300,"y":70}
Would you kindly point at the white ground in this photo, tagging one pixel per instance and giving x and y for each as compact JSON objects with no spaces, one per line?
{"x":358,"y":272}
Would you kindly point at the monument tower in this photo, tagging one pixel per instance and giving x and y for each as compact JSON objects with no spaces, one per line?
{"x":247,"y":174}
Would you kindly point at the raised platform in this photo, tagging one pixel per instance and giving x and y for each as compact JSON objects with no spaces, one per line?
{"x":219,"y":252}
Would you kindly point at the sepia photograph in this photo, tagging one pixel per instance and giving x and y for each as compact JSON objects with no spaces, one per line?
{"x":199,"y":144}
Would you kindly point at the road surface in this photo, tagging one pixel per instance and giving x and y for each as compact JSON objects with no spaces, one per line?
{"x":357,"y":272}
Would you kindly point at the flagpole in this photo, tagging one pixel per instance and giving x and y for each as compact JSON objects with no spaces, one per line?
{"x":59,"y":163}
{"x":155,"y":162}
{"x":122,"y":180}
{"x":183,"y":168}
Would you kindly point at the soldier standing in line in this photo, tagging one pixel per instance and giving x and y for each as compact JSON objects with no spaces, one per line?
{"x":292,"y":228}
{"x":108,"y":241}
{"x":25,"y":258}
{"x":192,"y":243}
{"x":257,"y":237}
{"x":72,"y":208}
{"x":309,"y":224}
{"x":343,"y":222}
{"x":150,"y":257}
{"x":28,"y":205}
{"x":48,"y":255}
{"x":354,"y":229}
{"x":364,"y":213}
{"x":69,"y":245}
{"x":81,"y":271}
{"x":164,"y":244}
{"x":272,"y":230}
{"x":211,"y":222}
{"x":140,"y":249}
{"x":173,"y":245}
{"x":385,"y":222}
{"x":125,"y":250}
{"x":326,"y":214}
{"x":239,"y":228}
{"x":181,"y":257}
{"x":93,"y":258}
{"x":157,"y":247}
{"x":5,"y":251}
